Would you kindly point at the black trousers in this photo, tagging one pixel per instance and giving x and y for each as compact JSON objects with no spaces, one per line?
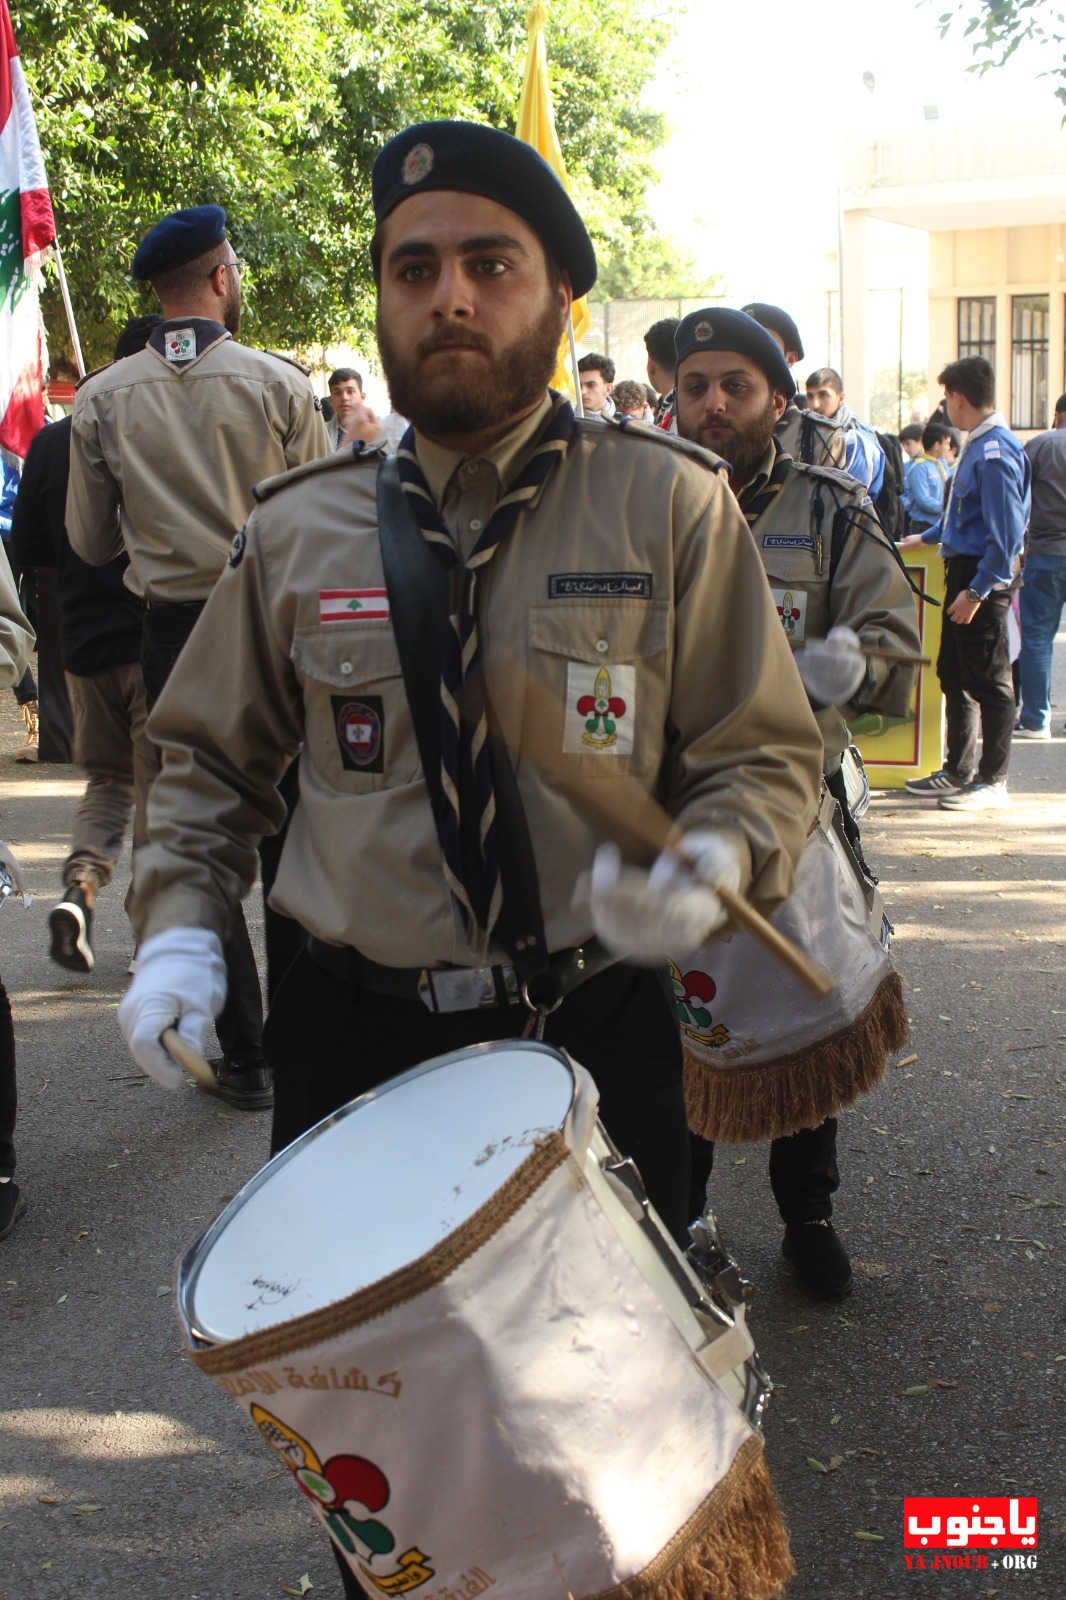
{"x":329,"y":1041}
{"x":8,"y":1089}
{"x":803,"y":1173}
{"x":239,"y":1024}
{"x":975,"y":674}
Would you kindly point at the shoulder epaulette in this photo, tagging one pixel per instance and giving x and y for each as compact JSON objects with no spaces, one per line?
{"x":87,"y":375}
{"x":290,"y":361}
{"x":308,"y":469}
{"x":843,"y":480}
{"x":642,"y":430}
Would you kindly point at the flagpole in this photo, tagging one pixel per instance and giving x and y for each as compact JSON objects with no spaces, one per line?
{"x":578,"y":407}
{"x":69,"y":309}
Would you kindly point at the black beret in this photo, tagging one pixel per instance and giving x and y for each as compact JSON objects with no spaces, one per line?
{"x":181,"y":237}
{"x":778,"y":321}
{"x":717,"y":328}
{"x":473,"y":159}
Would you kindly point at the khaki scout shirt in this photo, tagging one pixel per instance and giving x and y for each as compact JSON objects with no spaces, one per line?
{"x":869,"y":592}
{"x":830,"y":449}
{"x":16,"y":635}
{"x":624,"y":580}
{"x":163,"y":458}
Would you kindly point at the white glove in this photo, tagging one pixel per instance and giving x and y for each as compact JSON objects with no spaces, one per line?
{"x":832,"y":668}
{"x":180,"y":983}
{"x":648,"y":917}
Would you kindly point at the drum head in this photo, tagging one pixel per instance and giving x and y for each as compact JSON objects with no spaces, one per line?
{"x":372,"y":1187}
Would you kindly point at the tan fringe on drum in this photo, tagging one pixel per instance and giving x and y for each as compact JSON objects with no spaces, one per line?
{"x":768,"y":1100}
{"x":735,"y":1547}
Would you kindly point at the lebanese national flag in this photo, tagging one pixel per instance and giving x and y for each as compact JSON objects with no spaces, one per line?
{"x":27,"y":228}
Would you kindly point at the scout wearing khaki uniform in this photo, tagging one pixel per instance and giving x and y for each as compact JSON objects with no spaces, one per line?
{"x":165,"y":447}
{"x":803,"y":435}
{"x":830,"y":568}
{"x":587,"y":579}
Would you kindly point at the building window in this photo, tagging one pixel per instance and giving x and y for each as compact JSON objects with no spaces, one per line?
{"x":977,"y":327}
{"x":1028,"y":360}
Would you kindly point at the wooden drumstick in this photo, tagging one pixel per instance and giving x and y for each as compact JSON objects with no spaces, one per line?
{"x":192,"y":1061}
{"x":628,"y":812}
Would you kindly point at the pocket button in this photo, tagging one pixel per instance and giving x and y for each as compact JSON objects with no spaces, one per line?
{"x":602,"y":646}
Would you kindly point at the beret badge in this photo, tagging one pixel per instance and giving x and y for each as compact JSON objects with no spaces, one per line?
{"x":703,"y":332}
{"x":417,"y":163}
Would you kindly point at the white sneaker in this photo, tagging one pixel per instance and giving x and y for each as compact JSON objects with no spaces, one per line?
{"x":1032,"y":733}
{"x":977,"y":797}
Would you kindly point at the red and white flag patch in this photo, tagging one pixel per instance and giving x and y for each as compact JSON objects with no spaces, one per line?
{"x":353,"y":605}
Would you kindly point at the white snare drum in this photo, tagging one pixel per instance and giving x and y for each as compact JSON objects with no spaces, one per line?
{"x":451,"y":1312}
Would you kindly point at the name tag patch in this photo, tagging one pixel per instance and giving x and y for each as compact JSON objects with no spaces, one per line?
{"x":787,"y":541}
{"x":792,"y":609}
{"x":180,"y":344}
{"x":360,"y":726}
{"x":600,"y":709}
{"x":348,"y":605}
{"x":599,"y":586}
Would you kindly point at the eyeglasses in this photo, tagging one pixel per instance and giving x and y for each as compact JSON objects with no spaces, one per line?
{"x":239,"y":266}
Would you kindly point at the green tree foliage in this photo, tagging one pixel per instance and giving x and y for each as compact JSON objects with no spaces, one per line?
{"x":891,"y":407}
{"x":648,"y":267}
{"x":996,"y":28}
{"x":276,"y":110}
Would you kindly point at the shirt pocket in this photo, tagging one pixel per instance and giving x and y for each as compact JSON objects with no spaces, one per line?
{"x":600,"y":676}
{"x":796,"y":587}
{"x":359,"y":735}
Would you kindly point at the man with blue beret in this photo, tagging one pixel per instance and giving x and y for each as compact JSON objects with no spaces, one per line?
{"x":837,"y":588}
{"x":165,"y":448}
{"x":515,"y":602}
{"x":802,"y":434}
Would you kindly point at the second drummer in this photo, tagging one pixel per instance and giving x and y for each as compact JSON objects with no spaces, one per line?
{"x":838,"y":588}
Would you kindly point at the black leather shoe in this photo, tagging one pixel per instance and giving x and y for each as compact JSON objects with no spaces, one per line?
{"x":71,"y":926}
{"x":248,"y":1088}
{"x":12,"y":1205}
{"x":820,"y":1260}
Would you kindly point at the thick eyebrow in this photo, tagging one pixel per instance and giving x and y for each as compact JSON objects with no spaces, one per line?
{"x":422,"y":249}
{"x":730,"y":372}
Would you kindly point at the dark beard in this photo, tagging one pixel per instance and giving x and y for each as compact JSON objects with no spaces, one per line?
{"x":744,"y":447}
{"x":454,"y":401}
{"x":231,"y":313}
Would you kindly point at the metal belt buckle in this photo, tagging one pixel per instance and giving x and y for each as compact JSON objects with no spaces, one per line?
{"x":458,"y":988}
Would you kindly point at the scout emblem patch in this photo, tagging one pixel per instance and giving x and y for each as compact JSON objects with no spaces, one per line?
{"x":417,"y":163}
{"x":693,"y":993}
{"x":792,"y":609}
{"x":180,"y":344}
{"x":600,"y":709}
{"x":349,"y":605}
{"x":360,"y":726}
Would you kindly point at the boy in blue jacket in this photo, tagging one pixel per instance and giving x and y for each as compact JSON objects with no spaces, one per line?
{"x":981,"y":531}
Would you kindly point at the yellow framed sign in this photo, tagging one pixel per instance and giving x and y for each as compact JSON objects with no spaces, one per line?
{"x":897,"y":748}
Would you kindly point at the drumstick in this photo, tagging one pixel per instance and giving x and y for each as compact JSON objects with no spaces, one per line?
{"x":184,"y":1054}
{"x":627,"y":811}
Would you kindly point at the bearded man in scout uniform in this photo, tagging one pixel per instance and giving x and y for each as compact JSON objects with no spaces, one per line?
{"x":582,"y":570}
{"x":802,"y":434}
{"x":837,"y":587}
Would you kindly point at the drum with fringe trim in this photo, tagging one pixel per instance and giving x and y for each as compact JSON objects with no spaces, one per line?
{"x":765,"y":1058}
{"x":450,"y":1312}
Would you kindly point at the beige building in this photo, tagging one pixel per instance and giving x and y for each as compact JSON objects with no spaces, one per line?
{"x":992,"y":201}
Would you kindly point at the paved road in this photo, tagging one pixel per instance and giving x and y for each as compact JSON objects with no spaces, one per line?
{"x":123,"y":1472}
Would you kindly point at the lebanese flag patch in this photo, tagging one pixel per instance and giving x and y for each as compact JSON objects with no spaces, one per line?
{"x":353,"y":605}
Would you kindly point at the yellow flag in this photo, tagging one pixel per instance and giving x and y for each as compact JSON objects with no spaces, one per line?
{"x":536,"y":125}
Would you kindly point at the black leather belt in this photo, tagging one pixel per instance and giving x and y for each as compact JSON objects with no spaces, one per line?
{"x":466,"y":988}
